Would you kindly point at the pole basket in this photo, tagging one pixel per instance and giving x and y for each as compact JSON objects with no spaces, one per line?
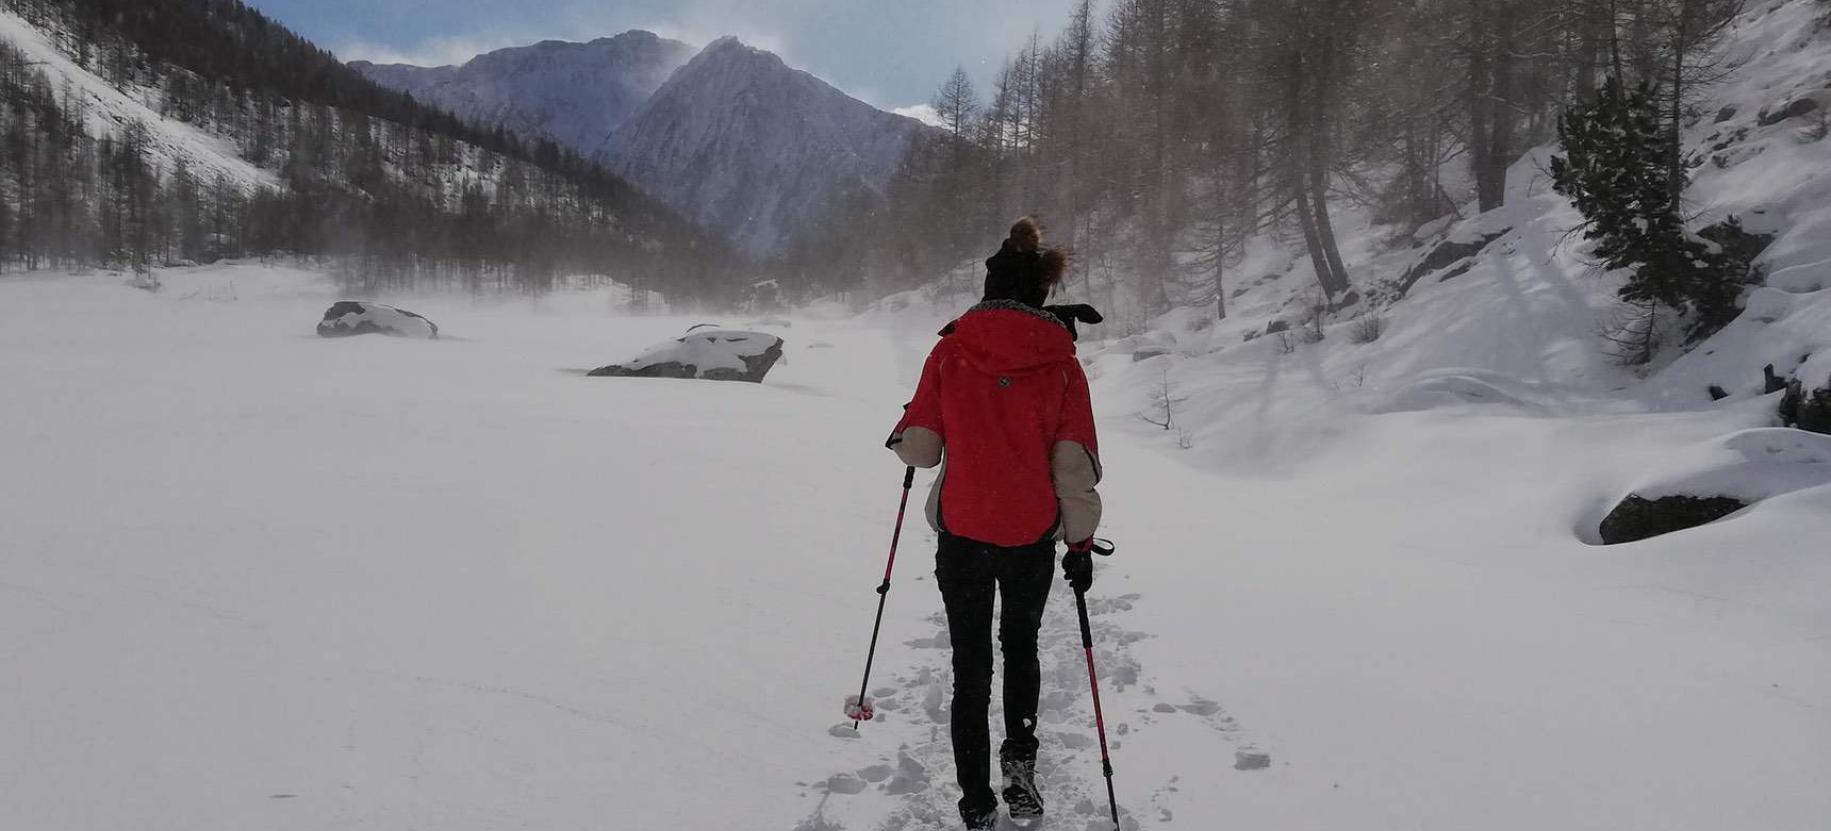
{"x":859,"y":709}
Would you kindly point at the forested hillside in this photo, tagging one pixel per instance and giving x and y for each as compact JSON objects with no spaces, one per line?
{"x":1167,"y":140}
{"x":142,"y":133}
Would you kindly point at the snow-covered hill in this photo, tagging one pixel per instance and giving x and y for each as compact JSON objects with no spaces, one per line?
{"x":1515,"y":323}
{"x":108,"y":111}
{"x":754,"y":149}
{"x":573,"y":93}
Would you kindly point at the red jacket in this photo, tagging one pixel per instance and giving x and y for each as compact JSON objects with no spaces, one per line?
{"x":1003,"y":395}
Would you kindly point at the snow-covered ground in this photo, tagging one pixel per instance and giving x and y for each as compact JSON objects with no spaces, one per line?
{"x":251,"y":578}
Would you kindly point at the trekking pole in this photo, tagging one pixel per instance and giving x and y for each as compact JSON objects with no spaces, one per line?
{"x":1093,"y":682}
{"x":859,"y":709}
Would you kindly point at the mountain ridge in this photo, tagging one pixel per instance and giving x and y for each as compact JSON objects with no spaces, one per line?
{"x":732,"y":137}
{"x":746,"y":145}
{"x":574,"y":93}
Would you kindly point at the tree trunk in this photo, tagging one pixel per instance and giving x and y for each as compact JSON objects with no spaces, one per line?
{"x":1501,"y":124}
{"x":1318,"y":182}
{"x":1219,"y":171}
{"x":1490,"y":85}
{"x":1325,"y":235}
{"x":1220,"y":269}
{"x":1306,"y":219}
{"x":1614,"y":44}
{"x":1675,"y":162}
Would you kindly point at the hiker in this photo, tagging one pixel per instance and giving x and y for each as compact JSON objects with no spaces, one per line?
{"x":1004,"y":396}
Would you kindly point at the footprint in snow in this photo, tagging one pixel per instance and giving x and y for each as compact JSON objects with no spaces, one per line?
{"x":914,"y":788}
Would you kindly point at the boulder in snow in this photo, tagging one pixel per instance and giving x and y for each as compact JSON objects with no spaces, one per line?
{"x":1719,"y":478}
{"x":1251,"y":760}
{"x":1767,"y":305}
{"x":1446,"y":253}
{"x":1638,"y":518}
{"x":709,"y":353}
{"x":1806,"y":409}
{"x":1793,"y":109}
{"x":1809,"y":411}
{"x":349,"y":317}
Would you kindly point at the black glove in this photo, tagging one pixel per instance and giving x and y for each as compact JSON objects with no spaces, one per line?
{"x":1078,"y":568}
{"x":1076,"y":312}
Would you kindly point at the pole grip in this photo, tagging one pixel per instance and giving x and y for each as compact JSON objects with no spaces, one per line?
{"x":1087,"y":635}
{"x":909,"y":477}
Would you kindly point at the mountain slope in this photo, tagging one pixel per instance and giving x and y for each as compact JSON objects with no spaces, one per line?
{"x":573,"y":93}
{"x":144,"y":133}
{"x":753,"y":149}
{"x":107,"y":111}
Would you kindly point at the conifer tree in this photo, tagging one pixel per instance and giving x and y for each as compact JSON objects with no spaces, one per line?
{"x":1614,"y":168}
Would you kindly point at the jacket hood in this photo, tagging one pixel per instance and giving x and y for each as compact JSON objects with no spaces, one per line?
{"x":1009,"y":338}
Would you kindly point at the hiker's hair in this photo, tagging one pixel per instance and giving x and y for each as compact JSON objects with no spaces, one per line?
{"x":1055,"y":267}
{"x":1027,"y":233}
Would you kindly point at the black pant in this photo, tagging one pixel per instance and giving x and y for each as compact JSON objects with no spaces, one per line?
{"x":967,"y":571}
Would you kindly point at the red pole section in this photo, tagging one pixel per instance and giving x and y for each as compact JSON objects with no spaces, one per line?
{"x":883,"y":593}
{"x":1093,"y":683}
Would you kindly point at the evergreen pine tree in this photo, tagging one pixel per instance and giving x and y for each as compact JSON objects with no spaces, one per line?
{"x":1614,"y":168}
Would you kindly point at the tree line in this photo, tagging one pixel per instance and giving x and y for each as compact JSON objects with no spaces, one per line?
{"x":1159,"y":137}
{"x":395,"y":193}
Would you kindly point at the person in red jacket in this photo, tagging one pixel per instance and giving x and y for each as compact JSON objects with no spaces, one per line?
{"x":1003,"y":407}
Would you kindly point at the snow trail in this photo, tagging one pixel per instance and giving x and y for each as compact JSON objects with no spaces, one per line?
{"x":919,"y":779}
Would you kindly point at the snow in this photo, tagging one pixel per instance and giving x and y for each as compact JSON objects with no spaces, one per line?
{"x":1750,"y":466}
{"x":263,"y":579}
{"x":109,"y":111}
{"x":925,"y":113}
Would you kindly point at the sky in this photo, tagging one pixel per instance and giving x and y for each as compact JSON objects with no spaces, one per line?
{"x":891,"y":53}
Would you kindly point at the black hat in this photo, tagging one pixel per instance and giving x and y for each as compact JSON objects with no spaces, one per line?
{"x":1016,"y":273}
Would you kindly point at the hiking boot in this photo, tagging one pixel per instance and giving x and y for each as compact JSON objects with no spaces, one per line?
{"x":977,"y":816}
{"x":1022,"y":798}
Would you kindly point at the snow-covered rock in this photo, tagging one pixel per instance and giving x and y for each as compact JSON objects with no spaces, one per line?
{"x":349,"y":317}
{"x":754,"y":149}
{"x":1466,"y":241}
{"x":713,"y":354}
{"x":573,"y":93}
{"x":1639,"y":518}
{"x":1718,"y":478}
{"x":1453,"y":387}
